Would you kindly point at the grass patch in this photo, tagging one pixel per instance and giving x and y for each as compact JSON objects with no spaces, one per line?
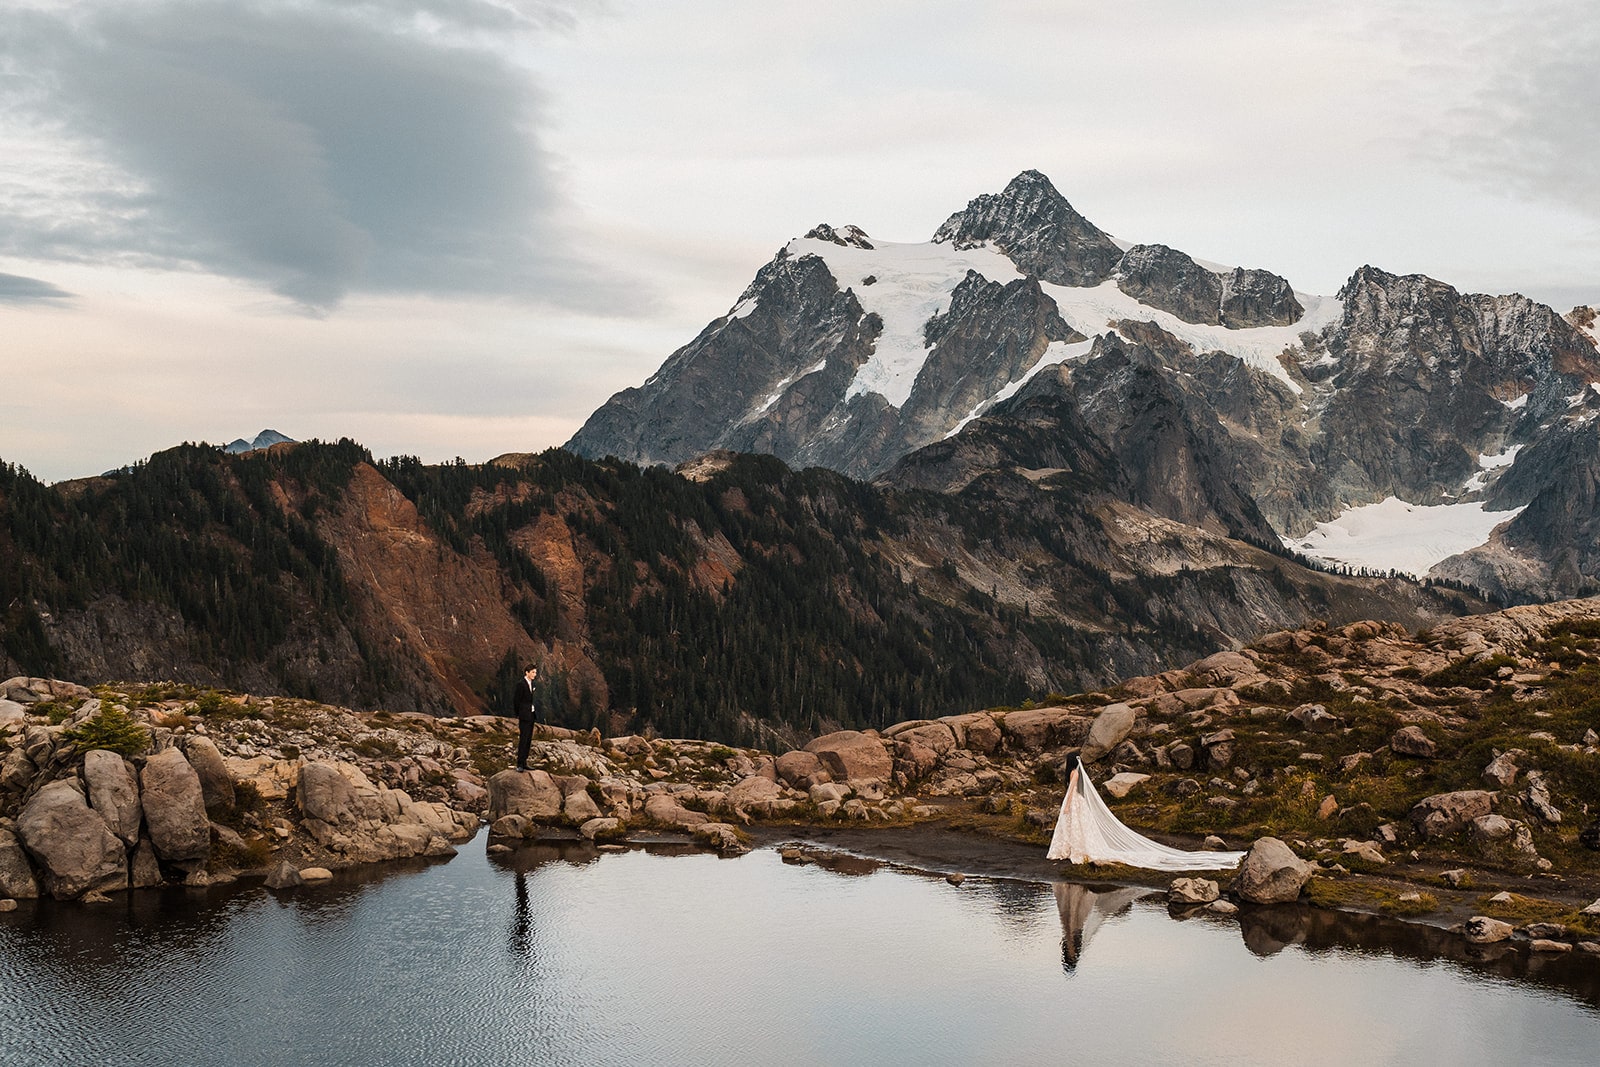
{"x":1369,"y":896}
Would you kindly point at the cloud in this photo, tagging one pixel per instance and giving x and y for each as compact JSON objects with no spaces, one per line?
{"x":313,"y":149}
{"x":1530,"y":117}
{"x":15,"y":289}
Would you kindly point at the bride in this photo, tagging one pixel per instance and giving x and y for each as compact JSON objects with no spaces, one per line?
{"x":1087,"y":832}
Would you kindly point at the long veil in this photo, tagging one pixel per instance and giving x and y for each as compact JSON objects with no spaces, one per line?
{"x":1087,"y":832}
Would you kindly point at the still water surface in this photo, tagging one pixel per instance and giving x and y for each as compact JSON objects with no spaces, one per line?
{"x":691,"y":959}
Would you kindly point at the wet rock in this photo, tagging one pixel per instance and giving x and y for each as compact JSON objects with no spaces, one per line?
{"x":1411,"y":741}
{"x":315,"y":874}
{"x":284,"y":876}
{"x":114,"y":792}
{"x":1549,"y":931}
{"x":1444,"y":814}
{"x":75,"y":849}
{"x":851,"y":757}
{"x":144,"y":870}
{"x":1482,"y":930}
{"x":175,"y":810}
{"x":1540,"y":944}
{"x":1271,"y":873}
{"x":720,"y":836}
{"x":1193,"y":891}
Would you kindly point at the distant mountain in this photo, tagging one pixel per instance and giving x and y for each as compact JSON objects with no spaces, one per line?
{"x":1398,"y":425}
{"x":264,"y":439}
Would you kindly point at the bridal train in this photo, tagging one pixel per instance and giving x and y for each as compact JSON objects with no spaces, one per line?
{"x":1087,"y":832}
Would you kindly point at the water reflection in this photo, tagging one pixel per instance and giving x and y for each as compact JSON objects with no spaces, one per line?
{"x":559,"y":953}
{"x":1082,"y":909}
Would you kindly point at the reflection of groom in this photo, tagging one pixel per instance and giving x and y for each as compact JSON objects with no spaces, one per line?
{"x":522,"y":704}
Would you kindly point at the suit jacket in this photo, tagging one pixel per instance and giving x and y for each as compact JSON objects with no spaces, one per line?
{"x":522,"y":700}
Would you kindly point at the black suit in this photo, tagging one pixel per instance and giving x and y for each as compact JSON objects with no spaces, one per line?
{"x":522,"y":704}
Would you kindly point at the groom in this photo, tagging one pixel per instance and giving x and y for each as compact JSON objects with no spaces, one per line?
{"x":522,"y":704}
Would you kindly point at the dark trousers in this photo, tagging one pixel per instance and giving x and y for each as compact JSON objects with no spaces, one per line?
{"x":524,"y":738}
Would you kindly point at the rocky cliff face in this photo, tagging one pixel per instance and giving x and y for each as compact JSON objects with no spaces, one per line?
{"x":1305,"y":408}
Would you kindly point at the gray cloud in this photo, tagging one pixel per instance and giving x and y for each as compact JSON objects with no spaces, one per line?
{"x":1530,"y":120}
{"x":16,"y":289}
{"x":312,"y":149}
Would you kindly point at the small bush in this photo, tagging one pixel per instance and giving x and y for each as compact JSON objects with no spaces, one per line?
{"x":112,"y":729}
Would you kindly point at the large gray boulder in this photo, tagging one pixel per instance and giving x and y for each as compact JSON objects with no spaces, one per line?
{"x":175,"y":810}
{"x":215,"y":781}
{"x":1271,"y":873}
{"x":17,"y":879}
{"x":754,"y":795}
{"x":75,"y":849}
{"x":1446,"y":814}
{"x":326,"y":794}
{"x":853,"y":757}
{"x":799,"y":769}
{"x":114,"y":792}
{"x":1109,"y":729}
{"x":531,"y":794}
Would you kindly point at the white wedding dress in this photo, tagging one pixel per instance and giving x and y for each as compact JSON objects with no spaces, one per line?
{"x":1087,"y":832}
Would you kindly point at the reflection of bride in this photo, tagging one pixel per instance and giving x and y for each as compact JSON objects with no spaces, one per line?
{"x":1082,"y":911}
{"x":1087,"y":832}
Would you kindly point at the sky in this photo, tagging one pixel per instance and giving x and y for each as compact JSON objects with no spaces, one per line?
{"x":455,"y":227}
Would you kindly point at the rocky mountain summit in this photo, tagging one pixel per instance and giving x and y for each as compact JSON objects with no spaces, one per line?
{"x":1421,"y":775}
{"x":1463,"y":418}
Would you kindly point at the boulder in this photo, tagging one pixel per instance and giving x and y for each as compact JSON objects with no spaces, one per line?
{"x":326,"y":794}
{"x":1501,"y":772}
{"x":11,"y":711}
{"x":1482,"y":930}
{"x":1219,"y":748}
{"x":1314,"y":718}
{"x":937,"y":737}
{"x":144,"y":870}
{"x":664,"y":808}
{"x":580,"y":807}
{"x":1502,"y":840}
{"x":1108,"y":730}
{"x":853,"y":757}
{"x":1536,"y":798}
{"x":16,"y":772}
{"x":1271,"y":873}
{"x":1036,"y":729}
{"x":1445,"y":814}
{"x":315,"y":874}
{"x":531,"y":794}
{"x":981,"y":733}
{"x":215,"y":782}
{"x":602,"y":827}
{"x":1411,"y":741}
{"x":284,"y":876}
{"x":76,"y":851}
{"x":1366,"y":850}
{"x":1193,"y":891}
{"x":175,"y":810}
{"x":796,"y":766}
{"x":1224,"y":668}
{"x":1120,"y":785}
{"x":113,"y":792}
{"x":17,"y":879}
{"x":754,"y":795}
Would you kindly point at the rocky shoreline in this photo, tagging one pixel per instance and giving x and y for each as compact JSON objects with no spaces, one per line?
{"x":1445,"y":778}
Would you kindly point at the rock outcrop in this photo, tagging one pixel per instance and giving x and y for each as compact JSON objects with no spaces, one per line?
{"x":76,"y":851}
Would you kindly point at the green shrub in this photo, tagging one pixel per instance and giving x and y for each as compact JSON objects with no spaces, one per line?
{"x":113,"y":729}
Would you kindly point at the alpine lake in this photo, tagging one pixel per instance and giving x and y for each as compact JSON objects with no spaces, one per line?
{"x":559,"y":954}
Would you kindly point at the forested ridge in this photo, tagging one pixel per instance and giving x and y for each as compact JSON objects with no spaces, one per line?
{"x":747,"y":598}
